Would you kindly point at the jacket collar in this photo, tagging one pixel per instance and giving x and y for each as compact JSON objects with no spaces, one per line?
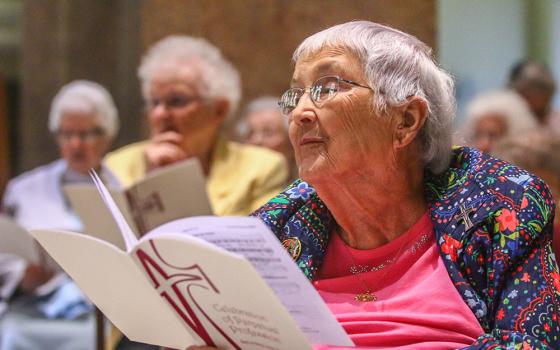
{"x":460,"y":199}
{"x":303,"y":223}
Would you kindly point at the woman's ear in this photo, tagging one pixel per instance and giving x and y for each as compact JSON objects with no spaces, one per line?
{"x":221,"y":109}
{"x":410,"y":120}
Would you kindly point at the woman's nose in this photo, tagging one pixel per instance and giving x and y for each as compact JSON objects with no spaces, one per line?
{"x":75,"y":141}
{"x":256,"y":138}
{"x":304,"y":111}
{"x":160,"y":111}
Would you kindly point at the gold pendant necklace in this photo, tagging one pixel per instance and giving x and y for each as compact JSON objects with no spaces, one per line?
{"x":366,"y":297}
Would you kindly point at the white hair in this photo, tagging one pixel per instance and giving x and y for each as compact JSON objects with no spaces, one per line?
{"x":218,"y":77}
{"x":506,"y":103}
{"x":85,"y":96}
{"x":397,"y":65}
{"x":260,"y":104}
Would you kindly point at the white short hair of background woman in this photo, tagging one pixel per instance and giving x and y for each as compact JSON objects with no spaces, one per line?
{"x":85,"y":97}
{"x":218,"y":77}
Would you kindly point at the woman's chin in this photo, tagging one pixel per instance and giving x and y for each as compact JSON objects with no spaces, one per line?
{"x":313,"y":174}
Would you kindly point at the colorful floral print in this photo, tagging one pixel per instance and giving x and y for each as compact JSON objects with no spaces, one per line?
{"x":501,"y":263}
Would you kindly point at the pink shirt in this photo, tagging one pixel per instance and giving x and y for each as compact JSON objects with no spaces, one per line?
{"x":417,"y":305}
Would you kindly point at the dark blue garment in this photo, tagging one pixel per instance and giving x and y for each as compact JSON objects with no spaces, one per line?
{"x":498,"y":255}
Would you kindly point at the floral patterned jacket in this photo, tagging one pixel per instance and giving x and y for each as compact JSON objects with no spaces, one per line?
{"x":493,"y":225}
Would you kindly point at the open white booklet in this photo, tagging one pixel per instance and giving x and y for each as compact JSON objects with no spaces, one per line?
{"x":15,"y":240}
{"x":172,"y":192}
{"x":17,"y":247}
{"x":223,"y":281}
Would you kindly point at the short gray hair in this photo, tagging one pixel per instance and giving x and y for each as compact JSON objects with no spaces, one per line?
{"x":260,"y":104}
{"x":506,"y":103}
{"x":397,"y":65}
{"x":218,"y":77}
{"x":85,"y":97}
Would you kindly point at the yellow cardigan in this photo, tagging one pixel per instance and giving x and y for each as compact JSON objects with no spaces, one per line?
{"x":241,"y":179}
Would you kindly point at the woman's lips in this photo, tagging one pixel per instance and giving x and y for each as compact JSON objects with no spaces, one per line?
{"x":309,"y":140}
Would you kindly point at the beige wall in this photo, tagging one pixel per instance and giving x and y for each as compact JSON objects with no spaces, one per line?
{"x":259,"y":36}
{"x":102,"y":41}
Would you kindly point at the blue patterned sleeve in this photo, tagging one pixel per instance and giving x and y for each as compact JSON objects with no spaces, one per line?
{"x":523,"y":279}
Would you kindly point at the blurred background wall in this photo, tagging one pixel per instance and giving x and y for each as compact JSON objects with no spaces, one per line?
{"x":102,"y":40}
{"x":45,"y":44}
{"x":480,"y":40}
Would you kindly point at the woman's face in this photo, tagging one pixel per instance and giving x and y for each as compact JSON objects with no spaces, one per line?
{"x":489,"y":129}
{"x":81,"y":141}
{"x":267,"y":129}
{"x":342,"y":136}
{"x":175,"y":105}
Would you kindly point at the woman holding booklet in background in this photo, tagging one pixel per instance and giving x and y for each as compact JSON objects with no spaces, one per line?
{"x":51,"y":312}
{"x":412,"y":244}
{"x":190,"y":90}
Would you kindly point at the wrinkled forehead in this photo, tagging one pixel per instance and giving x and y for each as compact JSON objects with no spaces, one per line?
{"x":327,"y":61}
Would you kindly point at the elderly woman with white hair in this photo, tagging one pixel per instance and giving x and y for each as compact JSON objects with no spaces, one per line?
{"x":83,"y":121}
{"x":51,"y":313}
{"x":412,"y":244}
{"x":190,"y":90}
{"x":494,"y":116}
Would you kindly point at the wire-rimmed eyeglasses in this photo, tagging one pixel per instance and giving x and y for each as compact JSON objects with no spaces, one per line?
{"x":85,"y":136}
{"x":172,"y":102}
{"x":323,"y":89}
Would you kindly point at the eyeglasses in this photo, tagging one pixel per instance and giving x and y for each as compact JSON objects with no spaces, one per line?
{"x":323,"y":89}
{"x":172,"y":102}
{"x":87,"y":136}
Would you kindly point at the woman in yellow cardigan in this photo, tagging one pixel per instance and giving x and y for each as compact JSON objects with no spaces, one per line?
{"x":190,"y":89}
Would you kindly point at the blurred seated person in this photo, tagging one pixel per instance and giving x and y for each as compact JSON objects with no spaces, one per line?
{"x":495,"y":115}
{"x":51,"y":312}
{"x":12,"y":268}
{"x":538,"y":152}
{"x":408,"y":241}
{"x":534,"y":82}
{"x":262,"y":124}
{"x":189,"y":90}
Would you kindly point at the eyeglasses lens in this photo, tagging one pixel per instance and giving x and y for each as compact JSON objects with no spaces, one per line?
{"x":87,"y":136}
{"x":322,"y":90}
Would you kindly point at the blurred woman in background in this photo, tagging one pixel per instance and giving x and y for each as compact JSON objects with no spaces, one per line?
{"x":496,"y":115}
{"x":51,"y":312}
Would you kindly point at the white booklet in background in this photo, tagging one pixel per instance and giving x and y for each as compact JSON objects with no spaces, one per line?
{"x":223,"y":281}
{"x":172,"y":192}
{"x":17,"y":249}
{"x":15,"y":240}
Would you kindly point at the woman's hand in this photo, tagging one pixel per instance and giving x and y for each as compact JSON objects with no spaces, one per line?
{"x":164,"y":149}
{"x":34,"y":276}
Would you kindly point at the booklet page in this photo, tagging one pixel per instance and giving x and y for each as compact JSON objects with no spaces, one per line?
{"x":250,"y":238}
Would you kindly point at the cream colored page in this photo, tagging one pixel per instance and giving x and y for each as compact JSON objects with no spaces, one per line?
{"x":15,"y":240}
{"x":94,"y":214}
{"x":169,"y":193}
{"x":218,"y":295}
{"x":250,"y":238}
{"x":116,"y":286}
